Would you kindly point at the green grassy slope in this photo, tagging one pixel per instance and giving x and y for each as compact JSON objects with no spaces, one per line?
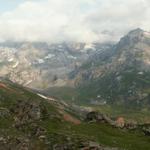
{"x":15,"y":103}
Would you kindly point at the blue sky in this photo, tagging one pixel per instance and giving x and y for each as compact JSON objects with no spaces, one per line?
{"x":8,"y":5}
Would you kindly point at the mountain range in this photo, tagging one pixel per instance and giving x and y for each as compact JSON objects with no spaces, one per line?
{"x":99,"y":73}
{"x":41,"y":65}
{"x":76,"y":96}
{"x":119,"y":75}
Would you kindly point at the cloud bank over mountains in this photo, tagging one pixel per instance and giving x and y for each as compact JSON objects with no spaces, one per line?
{"x":73,"y":20}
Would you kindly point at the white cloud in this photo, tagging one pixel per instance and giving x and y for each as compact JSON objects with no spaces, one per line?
{"x":74,"y":20}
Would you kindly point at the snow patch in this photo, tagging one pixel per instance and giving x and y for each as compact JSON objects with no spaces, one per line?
{"x":40,"y":61}
{"x":45,"y":97}
{"x":10,"y":59}
{"x":49,"y":56}
{"x":89,"y":46}
{"x":140,"y":73}
{"x":72,"y":57}
{"x":28,"y":82}
{"x":16,"y":64}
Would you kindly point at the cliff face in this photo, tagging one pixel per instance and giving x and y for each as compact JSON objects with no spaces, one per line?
{"x":120,"y":74}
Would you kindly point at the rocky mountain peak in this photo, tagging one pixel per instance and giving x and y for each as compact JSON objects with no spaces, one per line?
{"x":133,"y":37}
{"x":136,"y":32}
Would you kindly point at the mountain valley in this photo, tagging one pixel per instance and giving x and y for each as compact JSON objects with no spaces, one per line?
{"x":72,"y":96}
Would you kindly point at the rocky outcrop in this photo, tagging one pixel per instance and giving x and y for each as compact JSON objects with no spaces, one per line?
{"x":118,"y":122}
{"x":14,"y":143}
{"x":27,"y":112}
{"x":4,"y":112}
{"x":146,"y":129}
{"x":99,"y":117}
{"x":79,"y":144}
{"x":131,"y":125}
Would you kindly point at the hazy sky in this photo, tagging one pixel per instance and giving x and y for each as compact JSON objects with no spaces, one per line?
{"x":71,"y":20}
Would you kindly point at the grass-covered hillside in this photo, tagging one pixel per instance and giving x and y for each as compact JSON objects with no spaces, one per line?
{"x":28,"y":121}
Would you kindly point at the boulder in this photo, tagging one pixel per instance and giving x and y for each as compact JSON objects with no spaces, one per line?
{"x":120,"y":122}
{"x":99,"y":117}
{"x":27,"y":111}
{"x":4,"y":112}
